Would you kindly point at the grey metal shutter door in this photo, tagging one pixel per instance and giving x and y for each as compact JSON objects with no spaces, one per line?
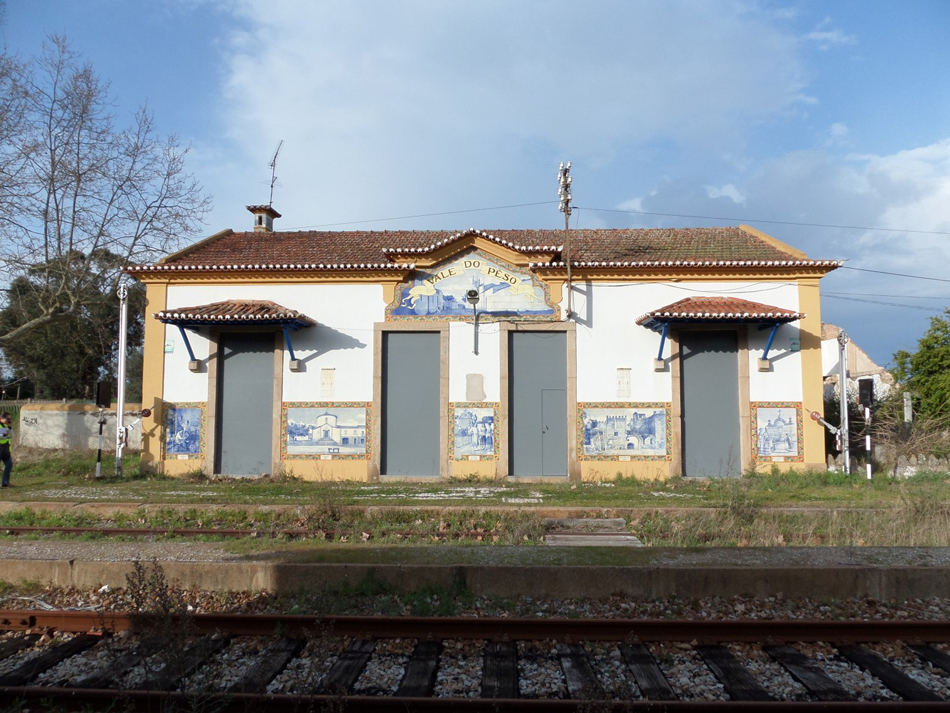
{"x":710,"y":386}
{"x":411,"y":404}
{"x":537,"y":414}
{"x":245,"y":402}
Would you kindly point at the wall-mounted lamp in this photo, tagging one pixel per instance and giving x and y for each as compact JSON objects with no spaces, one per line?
{"x":472,"y":297}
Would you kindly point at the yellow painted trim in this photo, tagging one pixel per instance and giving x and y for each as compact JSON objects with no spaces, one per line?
{"x":809,"y":302}
{"x":470,"y":241}
{"x":574,"y":467}
{"x":745,"y":461}
{"x":594,"y":471}
{"x":375,"y":428}
{"x":774,"y":242}
{"x":153,"y":379}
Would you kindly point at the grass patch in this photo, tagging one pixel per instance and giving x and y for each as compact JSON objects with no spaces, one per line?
{"x":795,"y":507}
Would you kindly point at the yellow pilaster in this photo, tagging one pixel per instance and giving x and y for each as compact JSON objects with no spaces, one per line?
{"x":809,"y":302}
{"x":153,"y":377}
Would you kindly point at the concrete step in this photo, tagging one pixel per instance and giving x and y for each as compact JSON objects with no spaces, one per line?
{"x":591,"y":539}
{"x":585,"y":524}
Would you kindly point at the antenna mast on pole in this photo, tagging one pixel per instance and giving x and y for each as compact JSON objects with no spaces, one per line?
{"x":273,"y":172}
{"x":564,"y":193}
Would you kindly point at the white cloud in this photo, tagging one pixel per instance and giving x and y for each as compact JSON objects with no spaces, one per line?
{"x":396,"y":108}
{"x":826,"y":38}
{"x":727,"y":191}
{"x":903,"y":192}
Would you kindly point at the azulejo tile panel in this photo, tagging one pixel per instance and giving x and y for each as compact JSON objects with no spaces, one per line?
{"x":440,"y":292}
{"x":777,"y":431}
{"x":474,"y":430}
{"x":623,"y":430}
{"x":185,"y":425}
{"x":325,"y":430}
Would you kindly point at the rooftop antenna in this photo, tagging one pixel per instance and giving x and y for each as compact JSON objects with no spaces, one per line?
{"x":273,"y":172}
{"x":564,"y":181}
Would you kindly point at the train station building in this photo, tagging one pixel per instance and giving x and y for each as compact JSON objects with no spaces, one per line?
{"x":428,"y":354}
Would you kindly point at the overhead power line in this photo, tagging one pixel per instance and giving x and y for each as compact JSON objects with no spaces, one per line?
{"x":895,"y":274}
{"x":424,"y":215}
{"x":626,"y":211}
{"x":886,"y":304}
{"x":759,"y":220}
{"x":877,"y":294}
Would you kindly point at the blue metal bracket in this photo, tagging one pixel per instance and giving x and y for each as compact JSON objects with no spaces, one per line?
{"x":768,"y":346}
{"x":184,"y":336}
{"x":290,"y":347}
{"x":659,"y":354}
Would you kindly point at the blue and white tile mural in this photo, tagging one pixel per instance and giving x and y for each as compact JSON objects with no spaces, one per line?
{"x":624,"y":431}
{"x":183,"y":430}
{"x":325,"y":430}
{"x":778,"y":431}
{"x":440,"y":292}
{"x":474,"y":432}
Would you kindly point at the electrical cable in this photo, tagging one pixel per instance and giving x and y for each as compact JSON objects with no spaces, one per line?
{"x":875,"y":294}
{"x":421,"y":215}
{"x":886,"y":304}
{"x":894,"y":274}
{"x":758,"y":220}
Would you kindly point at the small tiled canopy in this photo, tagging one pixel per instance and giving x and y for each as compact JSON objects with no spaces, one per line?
{"x":236,"y":312}
{"x":706,"y":310}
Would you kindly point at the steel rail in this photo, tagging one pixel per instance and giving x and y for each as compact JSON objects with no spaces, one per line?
{"x":81,"y":699}
{"x":228,"y":532}
{"x":491,"y":628}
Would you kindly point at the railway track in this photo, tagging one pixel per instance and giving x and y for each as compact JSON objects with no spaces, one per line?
{"x":78,"y":660}
{"x":258,"y":533}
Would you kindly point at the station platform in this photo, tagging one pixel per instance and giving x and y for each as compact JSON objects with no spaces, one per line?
{"x":588,"y":571}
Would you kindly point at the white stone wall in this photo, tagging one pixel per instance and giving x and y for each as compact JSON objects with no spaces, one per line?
{"x":67,"y":426}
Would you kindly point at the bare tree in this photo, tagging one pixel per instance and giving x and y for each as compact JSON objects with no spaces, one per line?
{"x":75,"y":184}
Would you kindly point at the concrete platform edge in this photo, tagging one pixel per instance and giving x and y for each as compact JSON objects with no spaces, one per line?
{"x":652,"y":582}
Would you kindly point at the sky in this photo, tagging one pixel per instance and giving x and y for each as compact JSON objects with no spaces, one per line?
{"x":826,"y":125}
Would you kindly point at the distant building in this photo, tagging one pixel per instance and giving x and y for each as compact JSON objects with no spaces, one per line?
{"x":860,"y":366}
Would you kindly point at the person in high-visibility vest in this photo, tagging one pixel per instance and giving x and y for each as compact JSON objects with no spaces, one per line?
{"x":6,"y":431}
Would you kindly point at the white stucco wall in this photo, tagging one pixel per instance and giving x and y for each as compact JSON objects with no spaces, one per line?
{"x":342,"y":339}
{"x":609,"y":338}
{"x":463,"y":361}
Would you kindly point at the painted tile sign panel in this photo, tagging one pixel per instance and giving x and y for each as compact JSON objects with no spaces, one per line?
{"x":624,"y":431}
{"x":184,"y":430}
{"x":474,"y":431}
{"x":504,"y":291}
{"x":777,"y":431}
{"x":324,"y":430}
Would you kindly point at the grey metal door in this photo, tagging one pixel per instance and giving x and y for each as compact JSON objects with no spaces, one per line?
{"x":537,"y":408}
{"x":245,"y":402}
{"x":411,"y":404}
{"x":709,"y":373}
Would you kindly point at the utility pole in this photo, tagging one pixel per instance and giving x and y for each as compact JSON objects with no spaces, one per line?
{"x":564,"y":193}
{"x":844,"y":433}
{"x":120,"y":431}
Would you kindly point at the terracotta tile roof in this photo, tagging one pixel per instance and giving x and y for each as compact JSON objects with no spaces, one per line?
{"x":718,"y":309}
{"x":236,"y":312}
{"x":375,"y":250}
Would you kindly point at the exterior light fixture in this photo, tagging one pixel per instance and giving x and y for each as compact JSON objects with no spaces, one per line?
{"x":473,"y":298}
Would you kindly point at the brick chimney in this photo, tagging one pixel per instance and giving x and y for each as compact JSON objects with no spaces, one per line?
{"x":263,"y":218}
